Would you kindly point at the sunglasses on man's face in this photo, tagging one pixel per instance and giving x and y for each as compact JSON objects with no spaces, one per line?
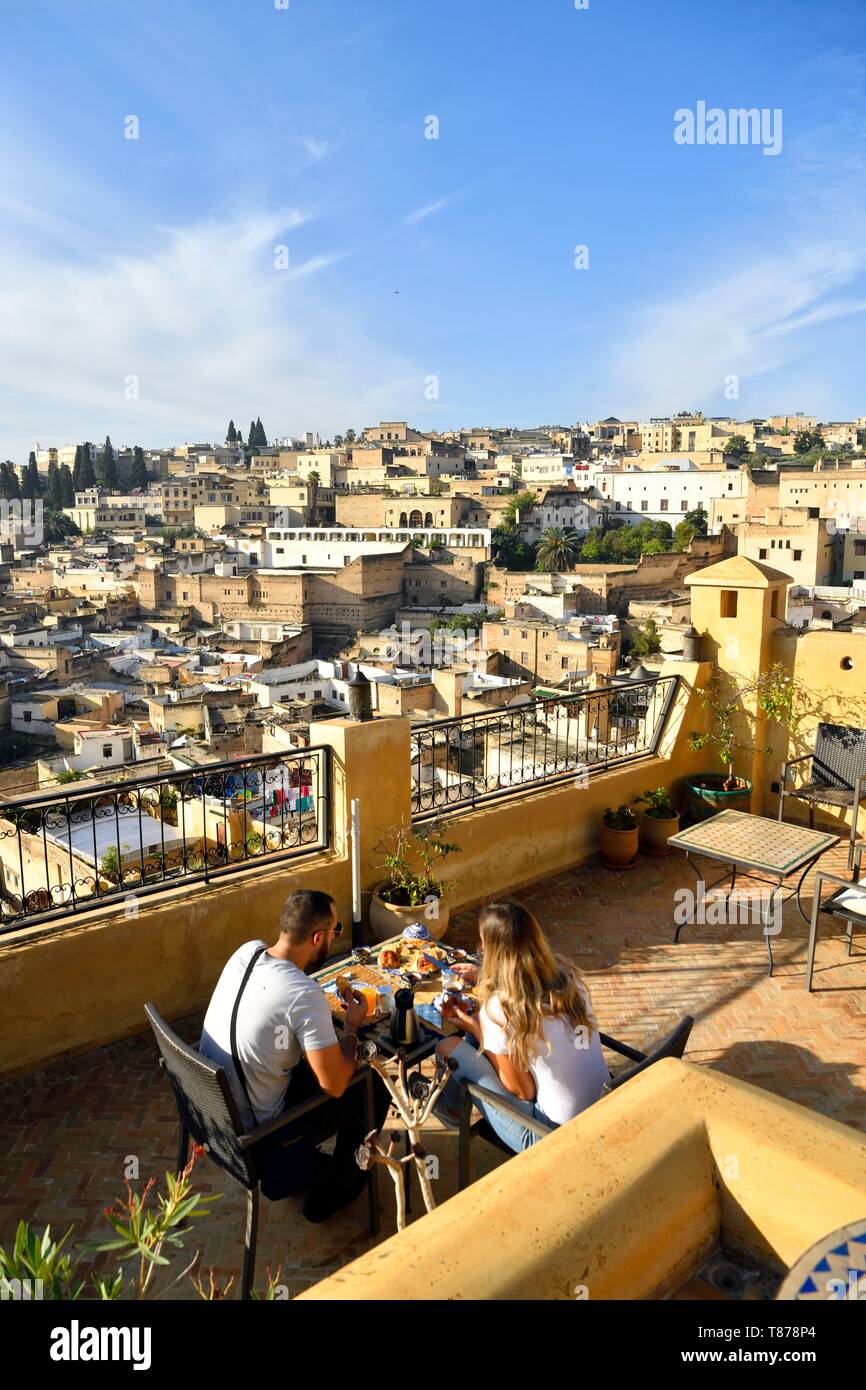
{"x":338,"y":930}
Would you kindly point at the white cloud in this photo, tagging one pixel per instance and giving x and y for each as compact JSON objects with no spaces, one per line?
{"x":204,"y":321}
{"x":316,"y":149}
{"x":748,"y":323}
{"x":428,"y":210}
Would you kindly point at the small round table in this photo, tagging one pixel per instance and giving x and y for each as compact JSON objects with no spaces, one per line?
{"x":834,"y":1268}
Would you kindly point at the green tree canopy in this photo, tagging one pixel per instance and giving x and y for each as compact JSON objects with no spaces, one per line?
{"x":35,"y":484}
{"x":54,"y":488}
{"x":87,"y":475}
{"x":648,"y":640}
{"x":557,"y":550}
{"x":58,"y":527}
{"x":138,"y":477}
{"x":67,"y":487}
{"x":107,"y":467}
{"x":231,"y":433}
{"x":737,"y":447}
{"x":806,"y":440}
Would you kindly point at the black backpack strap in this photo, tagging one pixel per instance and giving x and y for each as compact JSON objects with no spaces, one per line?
{"x":233,"y":1028}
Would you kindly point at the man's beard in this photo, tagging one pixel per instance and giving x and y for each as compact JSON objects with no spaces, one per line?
{"x":318,"y":960}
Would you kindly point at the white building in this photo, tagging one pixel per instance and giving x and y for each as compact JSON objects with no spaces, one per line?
{"x":667,"y":494}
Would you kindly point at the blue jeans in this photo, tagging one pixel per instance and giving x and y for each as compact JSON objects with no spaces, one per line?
{"x":473,"y":1066}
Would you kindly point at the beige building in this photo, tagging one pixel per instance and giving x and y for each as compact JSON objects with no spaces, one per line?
{"x":336,"y":601}
{"x":790,"y":540}
{"x":548,"y":651}
{"x":830,"y":491}
{"x":854,"y":556}
{"x":793,"y":422}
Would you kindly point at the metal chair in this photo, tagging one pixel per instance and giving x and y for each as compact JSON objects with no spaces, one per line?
{"x":674,"y":1045}
{"x":836,"y":777}
{"x":848,"y":902}
{"x":209,"y":1116}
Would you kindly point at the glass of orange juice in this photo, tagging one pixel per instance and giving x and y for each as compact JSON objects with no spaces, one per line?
{"x":370,"y":994}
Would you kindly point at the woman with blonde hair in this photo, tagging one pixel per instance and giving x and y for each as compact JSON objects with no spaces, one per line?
{"x":534,"y":1039}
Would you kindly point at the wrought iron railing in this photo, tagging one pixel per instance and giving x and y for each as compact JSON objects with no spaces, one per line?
{"x":69,"y":851}
{"x":458,"y":763}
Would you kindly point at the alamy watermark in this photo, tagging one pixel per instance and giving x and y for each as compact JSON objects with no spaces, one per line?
{"x":736,"y":126}
{"x":733,"y":908}
{"x":21,"y":522}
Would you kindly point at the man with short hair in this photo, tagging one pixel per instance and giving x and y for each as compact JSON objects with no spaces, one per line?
{"x":288,"y":1052}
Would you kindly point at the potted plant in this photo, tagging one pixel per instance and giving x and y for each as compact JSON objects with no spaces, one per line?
{"x":660,"y":821}
{"x":735,"y":707}
{"x":412,"y":890}
{"x":618,"y":841}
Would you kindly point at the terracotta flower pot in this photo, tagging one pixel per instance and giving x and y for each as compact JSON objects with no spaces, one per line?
{"x":617,"y":848}
{"x":655,"y":831}
{"x":387,"y":920}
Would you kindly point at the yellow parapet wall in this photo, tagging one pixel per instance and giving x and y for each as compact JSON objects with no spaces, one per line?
{"x":624,"y":1201}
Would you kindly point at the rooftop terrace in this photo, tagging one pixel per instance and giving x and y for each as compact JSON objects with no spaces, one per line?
{"x":83,"y":1094}
{"x":67,"y":1129}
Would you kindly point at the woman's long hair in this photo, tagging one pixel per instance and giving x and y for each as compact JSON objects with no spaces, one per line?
{"x":532,"y":983}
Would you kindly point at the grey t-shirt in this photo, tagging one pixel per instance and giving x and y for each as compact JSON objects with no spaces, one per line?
{"x":282,"y":1014}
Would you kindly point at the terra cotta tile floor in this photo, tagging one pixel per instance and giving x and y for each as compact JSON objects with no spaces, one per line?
{"x":67,"y":1130}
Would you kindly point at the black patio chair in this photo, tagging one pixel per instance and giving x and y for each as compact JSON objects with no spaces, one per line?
{"x":209,"y":1116}
{"x":836,"y":775}
{"x":674,"y":1045}
{"x":847,"y":903}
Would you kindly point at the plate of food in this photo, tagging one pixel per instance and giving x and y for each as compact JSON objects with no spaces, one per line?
{"x":377,"y":995}
{"x":420,"y":958}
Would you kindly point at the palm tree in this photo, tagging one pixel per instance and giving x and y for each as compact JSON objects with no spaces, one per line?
{"x":313,"y":480}
{"x":557,"y":549}
{"x":57,"y":526}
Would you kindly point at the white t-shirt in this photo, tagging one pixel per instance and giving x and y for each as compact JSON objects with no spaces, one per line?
{"x":282,"y":1014}
{"x":569,"y":1076}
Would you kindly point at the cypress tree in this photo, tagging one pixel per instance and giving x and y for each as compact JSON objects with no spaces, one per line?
{"x":251,"y":438}
{"x":67,"y":487}
{"x":35,"y":480}
{"x":231,"y":433}
{"x":261,"y":437}
{"x":104,"y":462}
{"x":88,"y":477}
{"x":109,"y":474}
{"x":14,"y":493}
{"x":4,"y":480}
{"x":138,"y":477}
{"x":55,"y":487}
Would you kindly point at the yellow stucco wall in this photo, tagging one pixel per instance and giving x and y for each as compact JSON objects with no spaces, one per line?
{"x":625,"y":1201}
{"x":835,"y":695}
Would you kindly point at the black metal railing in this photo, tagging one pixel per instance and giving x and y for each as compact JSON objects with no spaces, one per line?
{"x":458,"y":763}
{"x":69,"y":851}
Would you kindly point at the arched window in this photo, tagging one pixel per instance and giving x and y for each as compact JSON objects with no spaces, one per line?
{"x":403,"y":521}
{"x":428,"y":518}
{"x":415,"y":518}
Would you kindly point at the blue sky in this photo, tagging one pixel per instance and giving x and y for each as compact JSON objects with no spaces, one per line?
{"x":139,"y":280}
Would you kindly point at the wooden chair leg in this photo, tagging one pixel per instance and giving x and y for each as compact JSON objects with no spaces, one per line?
{"x":849,"y":934}
{"x":250,"y":1237}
